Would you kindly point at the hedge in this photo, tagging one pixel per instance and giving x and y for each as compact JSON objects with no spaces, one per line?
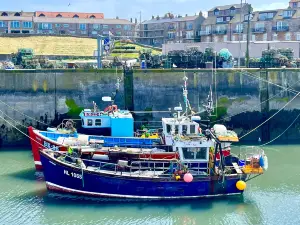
{"x":127,"y":51}
{"x":125,"y":47}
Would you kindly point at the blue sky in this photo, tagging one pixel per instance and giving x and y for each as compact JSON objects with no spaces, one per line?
{"x":130,"y":8}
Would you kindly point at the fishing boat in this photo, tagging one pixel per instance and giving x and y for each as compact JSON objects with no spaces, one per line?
{"x":186,"y":123}
{"x":195,"y":174}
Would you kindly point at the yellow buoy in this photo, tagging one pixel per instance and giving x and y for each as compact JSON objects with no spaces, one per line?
{"x":177,"y":177}
{"x":241,"y":185}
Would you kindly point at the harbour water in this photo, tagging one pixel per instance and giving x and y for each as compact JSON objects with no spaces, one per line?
{"x":273,"y":198}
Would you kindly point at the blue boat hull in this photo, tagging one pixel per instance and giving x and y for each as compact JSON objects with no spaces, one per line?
{"x":62,"y":177}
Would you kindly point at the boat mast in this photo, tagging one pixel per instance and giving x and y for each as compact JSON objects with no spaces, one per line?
{"x":185,"y":96}
{"x":117,"y":90}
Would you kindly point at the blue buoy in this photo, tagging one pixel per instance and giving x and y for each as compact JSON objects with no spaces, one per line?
{"x":261,"y":161}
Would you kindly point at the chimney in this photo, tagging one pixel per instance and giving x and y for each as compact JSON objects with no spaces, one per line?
{"x":157,"y":17}
{"x":135,"y":20}
{"x":200,"y":13}
{"x":130,"y":20}
{"x":117,"y":17}
{"x":186,"y":14}
{"x":153,"y":17}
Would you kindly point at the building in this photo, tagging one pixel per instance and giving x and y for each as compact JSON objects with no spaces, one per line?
{"x":224,"y":23}
{"x":170,"y":29}
{"x":64,"y":23}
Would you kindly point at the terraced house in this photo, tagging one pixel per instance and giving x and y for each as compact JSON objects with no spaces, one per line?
{"x":277,"y":25}
{"x":80,"y":24}
{"x":223,"y":23}
{"x":170,"y":29}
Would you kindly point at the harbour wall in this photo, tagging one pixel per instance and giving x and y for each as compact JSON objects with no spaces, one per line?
{"x":244,"y":98}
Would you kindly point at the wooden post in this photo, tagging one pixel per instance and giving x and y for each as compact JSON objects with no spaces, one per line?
{"x":265,"y":107}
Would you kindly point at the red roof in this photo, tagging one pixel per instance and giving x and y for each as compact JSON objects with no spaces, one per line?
{"x":70,"y":15}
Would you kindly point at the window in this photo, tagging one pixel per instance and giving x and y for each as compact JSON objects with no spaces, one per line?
{"x":94,"y":32}
{"x":265,"y":37}
{"x":96,"y":26}
{"x":244,"y":37}
{"x":184,"y":129}
{"x":105,"y":26}
{"x":287,"y":36}
{"x":216,"y":12}
{"x":127,"y":27}
{"x":45,"y":26}
{"x":207,"y":39}
{"x":294,"y":4}
{"x":225,"y":38}
{"x":2,"y":24}
{"x":118,"y":26}
{"x":274,"y":37}
{"x":239,"y":27}
{"x":253,"y":37}
{"x":105,"y":32}
{"x":219,"y":19}
{"x":192,"y":129}
{"x":259,"y":26}
{"x":83,"y":32}
{"x":66,"y":25}
{"x":92,"y":17}
{"x":168,"y":128}
{"x":27,"y":24}
{"x":190,"y":34}
{"x":41,"y":15}
{"x":195,"y":153}
{"x":17,"y":14}
{"x":228,"y":18}
{"x":118,"y":33}
{"x":15,"y":24}
{"x":4,"y":14}
{"x":75,"y":16}
{"x":298,"y":36}
{"x":288,"y":13}
{"x":82,"y":26}
{"x":59,"y":15}
{"x":72,"y":32}
{"x":189,"y":26}
{"x":265,"y":16}
{"x":171,"y":35}
{"x":98,"y":122}
{"x":57,"y":25}
{"x":216,"y":39}
{"x":82,"y":122}
{"x":232,"y":11}
{"x":176,"y":129}
{"x":90,"y":122}
{"x":233,"y":38}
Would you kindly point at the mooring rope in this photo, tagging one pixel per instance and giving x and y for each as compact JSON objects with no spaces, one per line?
{"x":270,"y":117}
{"x":22,"y":113}
{"x":282,"y":132}
{"x":13,"y":119}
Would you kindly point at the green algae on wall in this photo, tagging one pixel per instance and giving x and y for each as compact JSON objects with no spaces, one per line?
{"x":74,"y":109}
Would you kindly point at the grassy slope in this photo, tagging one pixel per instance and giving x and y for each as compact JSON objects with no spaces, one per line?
{"x":132,"y":55}
{"x":46,"y":45}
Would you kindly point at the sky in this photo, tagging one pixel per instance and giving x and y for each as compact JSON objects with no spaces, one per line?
{"x":127,"y":9}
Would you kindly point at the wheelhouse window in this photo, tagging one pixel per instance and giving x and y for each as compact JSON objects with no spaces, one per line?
{"x":90,"y":122}
{"x":195,"y":153}
{"x":168,"y":128}
{"x":184,"y":129}
{"x":176,"y":129}
{"x":192,"y":129}
{"x":82,"y":122}
{"x":98,"y":122}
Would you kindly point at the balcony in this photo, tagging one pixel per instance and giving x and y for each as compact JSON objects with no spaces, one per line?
{"x":237,"y":31}
{"x":205,"y":32}
{"x":280,"y":28}
{"x":219,"y":32}
{"x":258,"y":30}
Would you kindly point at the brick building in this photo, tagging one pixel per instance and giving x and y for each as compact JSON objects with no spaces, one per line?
{"x":81,"y":24}
{"x":170,"y":29}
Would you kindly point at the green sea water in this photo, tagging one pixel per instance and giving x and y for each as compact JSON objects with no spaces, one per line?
{"x":273,"y":198}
